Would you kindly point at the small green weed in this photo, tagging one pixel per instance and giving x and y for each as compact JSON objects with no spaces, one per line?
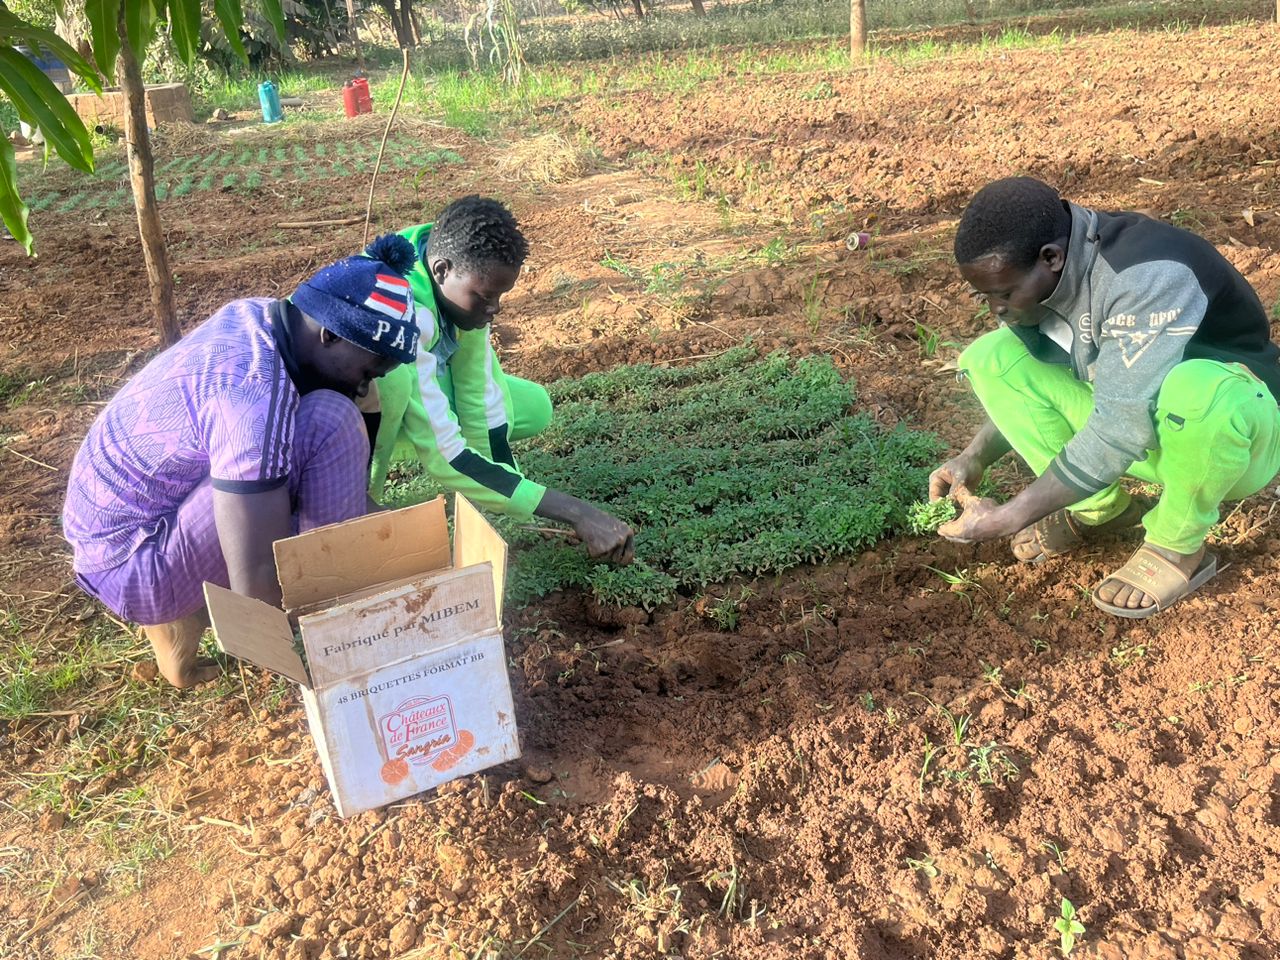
{"x":775,"y":252}
{"x":930,"y":340}
{"x":1068,"y":927}
{"x":726,"y":611}
{"x":813,"y":304}
{"x":1128,"y":653}
{"x":991,"y":765}
{"x":961,"y":761}
{"x":1057,"y":852}
{"x":1188,"y":220}
{"x":822,"y":90}
{"x":924,"y":865}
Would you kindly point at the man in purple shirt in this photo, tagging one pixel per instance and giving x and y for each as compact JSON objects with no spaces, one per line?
{"x":243,"y":433}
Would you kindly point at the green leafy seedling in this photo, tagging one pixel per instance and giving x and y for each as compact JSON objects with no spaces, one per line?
{"x":1068,"y":926}
{"x":924,"y":517}
{"x":924,"y":865}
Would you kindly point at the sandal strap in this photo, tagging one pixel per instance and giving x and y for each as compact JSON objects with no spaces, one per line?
{"x":1155,"y":575}
{"x":1057,"y":533}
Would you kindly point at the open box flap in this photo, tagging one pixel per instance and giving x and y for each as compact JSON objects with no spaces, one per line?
{"x":475,"y":541}
{"x":344,"y":558}
{"x":255,"y":631}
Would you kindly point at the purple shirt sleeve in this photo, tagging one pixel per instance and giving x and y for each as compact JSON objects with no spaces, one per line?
{"x":248,"y":433}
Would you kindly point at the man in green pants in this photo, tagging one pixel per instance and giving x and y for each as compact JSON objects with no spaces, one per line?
{"x":1129,"y":348}
{"x":455,"y":409}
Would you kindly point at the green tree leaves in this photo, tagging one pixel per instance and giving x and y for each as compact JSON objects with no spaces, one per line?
{"x":274,"y":10}
{"x":39,"y":102}
{"x":12,"y":210}
{"x":184,"y":23}
{"x":103,"y":16}
{"x":232,"y":19}
{"x":140,"y":24}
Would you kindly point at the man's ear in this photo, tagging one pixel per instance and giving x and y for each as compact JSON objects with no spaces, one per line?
{"x":1054,"y":256}
{"x":327,"y":337}
{"x":440,"y":268}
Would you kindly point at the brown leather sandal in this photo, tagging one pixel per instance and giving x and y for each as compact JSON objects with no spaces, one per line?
{"x":1159,"y":577}
{"x":1056,"y":534}
{"x":1060,"y":532}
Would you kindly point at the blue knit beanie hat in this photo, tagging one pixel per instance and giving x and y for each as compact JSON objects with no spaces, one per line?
{"x":366,"y":299}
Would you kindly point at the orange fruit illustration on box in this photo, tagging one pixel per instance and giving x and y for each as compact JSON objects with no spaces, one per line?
{"x":393,"y":771}
{"x":450,"y":757}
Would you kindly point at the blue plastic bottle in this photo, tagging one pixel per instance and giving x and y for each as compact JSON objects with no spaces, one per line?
{"x":270,"y":100}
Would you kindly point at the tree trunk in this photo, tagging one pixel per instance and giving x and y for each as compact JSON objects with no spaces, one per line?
{"x":639,"y":7}
{"x":355,"y":34}
{"x":72,"y":25}
{"x":142,"y":176}
{"x":701,"y":11}
{"x":858,"y":28}
{"x":404,"y":26}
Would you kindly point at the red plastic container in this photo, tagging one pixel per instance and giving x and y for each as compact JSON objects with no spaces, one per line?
{"x":364,"y":101}
{"x":356,"y":98}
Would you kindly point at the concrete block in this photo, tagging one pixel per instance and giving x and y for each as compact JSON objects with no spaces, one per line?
{"x":166,"y":103}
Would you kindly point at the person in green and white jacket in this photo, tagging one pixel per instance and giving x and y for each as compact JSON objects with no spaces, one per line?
{"x":454,"y":408}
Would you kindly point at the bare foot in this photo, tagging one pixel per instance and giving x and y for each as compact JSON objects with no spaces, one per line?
{"x":194,"y":674}
{"x":1122,"y":595}
{"x":176,"y":645}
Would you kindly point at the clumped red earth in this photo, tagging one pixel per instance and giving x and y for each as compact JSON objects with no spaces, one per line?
{"x":764,"y":792}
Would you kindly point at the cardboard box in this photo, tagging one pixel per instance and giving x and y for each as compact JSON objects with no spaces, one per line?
{"x":405,"y":683}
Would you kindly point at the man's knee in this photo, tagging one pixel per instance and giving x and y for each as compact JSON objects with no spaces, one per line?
{"x":538,"y":409}
{"x":326,"y":417}
{"x":531,"y":408}
{"x":1196,"y":390}
{"x":992,"y":354}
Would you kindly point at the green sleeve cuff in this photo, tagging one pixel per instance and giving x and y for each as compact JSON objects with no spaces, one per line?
{"x":526,"y":499}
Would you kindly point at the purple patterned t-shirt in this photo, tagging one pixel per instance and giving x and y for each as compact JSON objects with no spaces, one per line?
{"x":218,"y":404}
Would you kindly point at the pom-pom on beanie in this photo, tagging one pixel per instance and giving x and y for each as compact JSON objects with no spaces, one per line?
{"x":366,"y":299}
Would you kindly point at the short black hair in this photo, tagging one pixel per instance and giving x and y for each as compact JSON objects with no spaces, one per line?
{"x":475,"y":231}
{"x":1011,"y":219}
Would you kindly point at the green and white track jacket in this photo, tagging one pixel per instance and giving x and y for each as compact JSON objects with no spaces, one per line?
{"x":450,"y":408}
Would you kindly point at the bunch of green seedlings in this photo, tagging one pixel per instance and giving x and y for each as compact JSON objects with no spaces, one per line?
{"x":924,"y":517}
{"x":737,"y":465}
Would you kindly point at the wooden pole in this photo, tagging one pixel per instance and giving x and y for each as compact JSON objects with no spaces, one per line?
{"x":858,"y":28}
{"x":386,"y":132}
{"x":142,"y":177}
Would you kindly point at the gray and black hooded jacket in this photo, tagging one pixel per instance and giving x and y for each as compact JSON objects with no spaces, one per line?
{"x":1140,"y":297}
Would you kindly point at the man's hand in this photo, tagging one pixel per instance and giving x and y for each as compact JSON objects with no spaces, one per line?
{"x":958,"y":478}
{"x":975,"y":523}
{"x":606,"y":537}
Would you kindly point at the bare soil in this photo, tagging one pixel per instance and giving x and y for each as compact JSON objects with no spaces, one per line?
{"x":762,"y":793}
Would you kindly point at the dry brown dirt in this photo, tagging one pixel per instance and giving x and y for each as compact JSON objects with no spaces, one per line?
{"x":762,"y":793}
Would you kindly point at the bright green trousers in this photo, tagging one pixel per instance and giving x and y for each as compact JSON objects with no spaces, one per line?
{"x":1217,"y":433}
